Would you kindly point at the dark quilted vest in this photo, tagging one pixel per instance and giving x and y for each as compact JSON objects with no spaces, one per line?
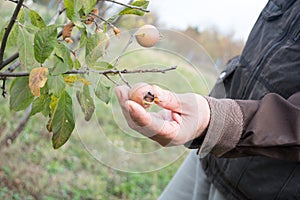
{"x":270,"y":62}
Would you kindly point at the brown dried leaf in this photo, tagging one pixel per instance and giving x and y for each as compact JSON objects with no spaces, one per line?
{"x":67,"y":30}
{"x":37,"y":79}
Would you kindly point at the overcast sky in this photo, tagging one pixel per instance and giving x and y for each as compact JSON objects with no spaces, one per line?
{"x":236,"y":16}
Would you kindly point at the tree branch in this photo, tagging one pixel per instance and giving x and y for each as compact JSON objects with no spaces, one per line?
{"x":53,"y":20}
{"x":7,"y":31}
{"x":16,"y":1}
{"x":128,"y":6}
{"x":10,"y":59}
{"x":60,"y":10}
{"x":102,"y":19}
{"x":9,"y":139}
{"x":104,"y":72}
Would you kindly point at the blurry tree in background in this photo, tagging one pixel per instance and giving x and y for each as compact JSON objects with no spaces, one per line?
{"x":220,"y":47}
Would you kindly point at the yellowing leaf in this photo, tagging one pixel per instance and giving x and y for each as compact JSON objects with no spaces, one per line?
{"x":84,"y":81}
{"x":37,"y":79}
{"x":70,"y":80}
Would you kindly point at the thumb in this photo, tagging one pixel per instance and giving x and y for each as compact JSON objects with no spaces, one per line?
{"x":167,"y":99}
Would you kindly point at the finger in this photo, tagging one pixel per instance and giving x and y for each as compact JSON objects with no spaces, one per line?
{"x":167,"y":99}
{"x":177,"y":117}
{"x":165,"y":132}
{"x":122,"y":93}
{"x":138,"y":114}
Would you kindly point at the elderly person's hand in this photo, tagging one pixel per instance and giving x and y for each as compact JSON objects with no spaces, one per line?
{"x":183,"y":117}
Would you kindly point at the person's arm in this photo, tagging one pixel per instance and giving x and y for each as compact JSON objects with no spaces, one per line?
{"x":268,"y":127}
{"x":223,"y":127}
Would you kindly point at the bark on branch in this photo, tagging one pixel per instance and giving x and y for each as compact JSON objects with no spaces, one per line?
{"x":103,"y":72}
{"x":7,"y":31}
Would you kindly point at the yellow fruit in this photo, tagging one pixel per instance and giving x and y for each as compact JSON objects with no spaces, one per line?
{"x":147,"y":36}
{"x":143,"y":94}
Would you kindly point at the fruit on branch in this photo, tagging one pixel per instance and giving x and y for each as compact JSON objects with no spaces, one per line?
{"x":147,"y":35}
{"x":143,"y":94}
{"x":116,"y":31}
{"x":91,"y":18}
{"x":69,"y":40}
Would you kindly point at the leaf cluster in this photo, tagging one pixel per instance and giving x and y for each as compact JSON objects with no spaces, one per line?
{"x":48,"y":53}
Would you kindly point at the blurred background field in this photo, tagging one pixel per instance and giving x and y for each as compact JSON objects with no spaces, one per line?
{"x":89,"y":166}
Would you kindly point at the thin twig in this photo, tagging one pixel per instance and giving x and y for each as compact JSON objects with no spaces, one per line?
{"x":60,"y":10}
{"x":123,"y":51}
{"x":13,"y":66}
{"x":124,"y":80}
{"x":114,"y":82}
{"x":53,"y":20}
{"x":3,"y":88}
{"x":8,"y":29}
{"x":104,"y":20}
{"x":128,"y":6}
{"x":15,"y":1}
{"x":110,"y":71}
{"x":10,"y":59}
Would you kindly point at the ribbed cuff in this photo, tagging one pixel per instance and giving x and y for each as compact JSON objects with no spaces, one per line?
{"x":225,"y":127}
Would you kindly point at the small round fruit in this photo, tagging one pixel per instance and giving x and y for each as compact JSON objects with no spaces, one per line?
{"x":143,"y":94}
{"x":68,"y":40}
{"x":147,"y":36}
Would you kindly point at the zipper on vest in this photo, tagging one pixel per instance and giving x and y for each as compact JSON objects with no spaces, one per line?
{"x":249,"y":85}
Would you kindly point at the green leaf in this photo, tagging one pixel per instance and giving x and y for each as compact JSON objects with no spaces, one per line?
{"x":62,"y":120}
{"x":13,"y":35}
{"x":26,"y":52}
{"x":102,"y":92}
{"x":52,"y":106}
{"x":103,"y":65}
{"x":140,"y":3}
{"x":83,"y":39}
{"x":69,"y":5}
{"x":95,"y":46}
{"x":88,"y":6}
{"x":77,"y":64}
{"x":44,"y":43}
{"x":36,"y":19}
{"x":31,"y":29}
{"x":86,"y":102}
{"x":72,"y":8}
{"x":20,"y":94}
{"x":62,"y":60}
{"x":56,"y":85}
{"x":41,"y":104}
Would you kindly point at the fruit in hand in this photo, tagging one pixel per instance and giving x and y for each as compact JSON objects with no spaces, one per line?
{"x":143,"y":94}
{"x":147,"y":36}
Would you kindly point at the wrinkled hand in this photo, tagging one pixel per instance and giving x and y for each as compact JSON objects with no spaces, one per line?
{"x":183,"y":117}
